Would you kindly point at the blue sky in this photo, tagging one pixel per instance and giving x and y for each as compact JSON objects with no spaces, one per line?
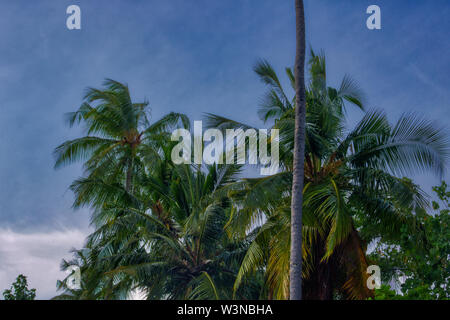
{"x":184,"y":56}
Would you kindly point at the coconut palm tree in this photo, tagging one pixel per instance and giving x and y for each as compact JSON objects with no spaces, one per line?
{"x":189,"y":256}
{"x":169,"y":242}
{"x":118,"y":135}
{"x":347,"y":177}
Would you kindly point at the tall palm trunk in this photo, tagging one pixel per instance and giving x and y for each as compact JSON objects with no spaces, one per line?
{"x":299,"y":155}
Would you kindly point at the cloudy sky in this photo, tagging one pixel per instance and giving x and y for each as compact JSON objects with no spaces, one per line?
{"x":185,"y":56}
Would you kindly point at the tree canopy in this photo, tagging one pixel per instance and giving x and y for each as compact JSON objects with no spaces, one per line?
{"x":19,"y":290}
{"x":170,"y":231}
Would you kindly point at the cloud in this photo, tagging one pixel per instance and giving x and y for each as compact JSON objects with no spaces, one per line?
{"x":38,"y":256}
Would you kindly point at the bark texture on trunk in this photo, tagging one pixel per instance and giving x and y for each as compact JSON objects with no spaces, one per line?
{"x":299,"y":155}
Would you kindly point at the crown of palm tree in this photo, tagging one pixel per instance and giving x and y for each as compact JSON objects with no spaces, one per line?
{"x":119,"y":136}
{"x":346,"y":175}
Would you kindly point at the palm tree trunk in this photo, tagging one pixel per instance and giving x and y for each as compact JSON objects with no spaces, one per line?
{"x":299,"y":155}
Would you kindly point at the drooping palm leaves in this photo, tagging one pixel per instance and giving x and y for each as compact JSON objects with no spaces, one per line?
{"x":346,"y":176}
{"x":173,"y":244}
{"x":167,"y":240}
{"x":179,"y":231}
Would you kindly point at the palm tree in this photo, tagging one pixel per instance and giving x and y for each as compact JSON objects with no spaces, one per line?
{"x":118,"y":135}
{"x":181,"y":231}
{"x":170,"y":241}
{"x":348,"y":178}
{"x":299,"y":155}
{"x":189,"y":256}
{"x":156,"y":223}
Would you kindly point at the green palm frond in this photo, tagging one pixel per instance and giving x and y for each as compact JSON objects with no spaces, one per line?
{"x":203,"y":288}
{"x":79,"y":149}
{"x":168,"y":123}
{"x":350,"y":91}
{"x":222,"y":123}
{"x":412,"y":145}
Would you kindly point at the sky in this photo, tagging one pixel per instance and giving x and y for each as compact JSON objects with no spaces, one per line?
{"x":185,"y":56}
